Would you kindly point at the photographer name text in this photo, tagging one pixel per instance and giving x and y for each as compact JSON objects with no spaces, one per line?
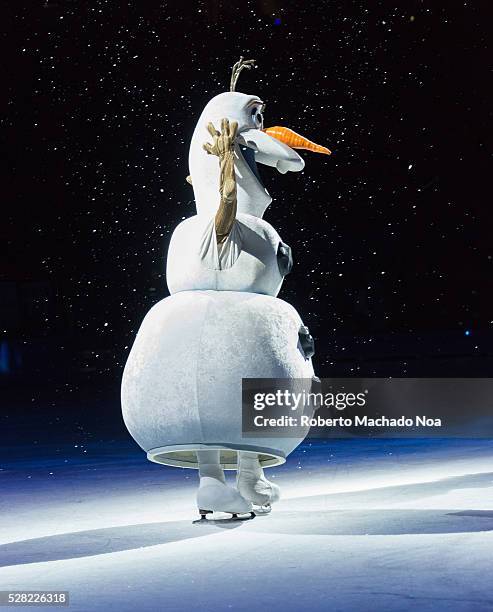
{"x":356,"y":421}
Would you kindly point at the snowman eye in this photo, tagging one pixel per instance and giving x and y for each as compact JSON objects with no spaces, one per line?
{"x":257,"y":116}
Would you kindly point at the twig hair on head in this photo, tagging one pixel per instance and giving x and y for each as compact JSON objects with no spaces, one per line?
{"x":237,"y":68}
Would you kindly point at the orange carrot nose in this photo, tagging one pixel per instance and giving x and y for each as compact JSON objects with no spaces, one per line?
{"x":294,"y":140}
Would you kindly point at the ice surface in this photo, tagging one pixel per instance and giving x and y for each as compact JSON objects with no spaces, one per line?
{"x":364,"y":525}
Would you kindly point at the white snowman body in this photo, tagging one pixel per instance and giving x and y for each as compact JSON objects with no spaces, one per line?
{"x":253,"y":257}
{"x":182,"y":384}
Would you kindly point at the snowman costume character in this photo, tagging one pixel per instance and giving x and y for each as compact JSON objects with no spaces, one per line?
{"x":181,"y":387}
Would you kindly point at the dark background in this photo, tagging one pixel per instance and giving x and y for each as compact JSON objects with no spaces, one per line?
{"x":391,"y":235}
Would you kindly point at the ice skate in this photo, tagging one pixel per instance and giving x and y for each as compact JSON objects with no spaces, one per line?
{"x":214,"y":495}
{"x":253,"y":485}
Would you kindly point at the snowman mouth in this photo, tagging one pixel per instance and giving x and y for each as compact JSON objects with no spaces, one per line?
{"x":248,"y":155}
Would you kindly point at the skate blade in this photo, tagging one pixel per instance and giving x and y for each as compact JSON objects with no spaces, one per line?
{"x":235,"y":518}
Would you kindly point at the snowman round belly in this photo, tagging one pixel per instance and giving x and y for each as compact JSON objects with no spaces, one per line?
{"x":181,"y":387}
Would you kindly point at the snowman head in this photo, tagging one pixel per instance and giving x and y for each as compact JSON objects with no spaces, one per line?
{"x":272,"y":147}
{"x":252,"y":146}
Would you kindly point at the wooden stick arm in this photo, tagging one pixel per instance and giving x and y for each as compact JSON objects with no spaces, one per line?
{"x":223,"y":147}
